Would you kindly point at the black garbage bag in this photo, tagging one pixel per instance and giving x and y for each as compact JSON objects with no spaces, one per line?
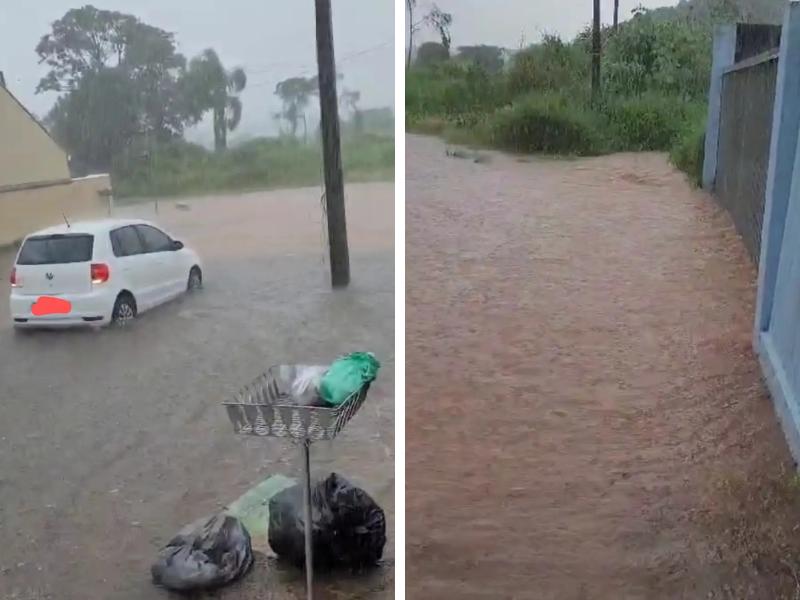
{"x":206,"y":554}
{"x":349,"y":528}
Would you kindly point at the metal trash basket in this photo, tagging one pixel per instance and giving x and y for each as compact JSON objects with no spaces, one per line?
{"x":262,"y":409}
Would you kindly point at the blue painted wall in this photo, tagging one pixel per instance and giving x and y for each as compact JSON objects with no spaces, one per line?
{"x":777,"y":319}
{"x":724,"y":50}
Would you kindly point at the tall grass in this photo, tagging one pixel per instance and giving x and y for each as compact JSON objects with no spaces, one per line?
{"x":688,"y":151}
{"x":261,"y":163}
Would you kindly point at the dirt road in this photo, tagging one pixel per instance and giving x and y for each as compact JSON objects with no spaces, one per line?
{"x":111,"y":441}
{"x":585,"y":417}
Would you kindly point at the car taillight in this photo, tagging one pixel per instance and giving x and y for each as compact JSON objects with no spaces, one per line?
{"x":13,"y":279}
{"x":100,"y":272}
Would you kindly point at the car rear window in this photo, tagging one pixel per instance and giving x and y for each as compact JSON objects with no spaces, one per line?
{"x":56,"y":249}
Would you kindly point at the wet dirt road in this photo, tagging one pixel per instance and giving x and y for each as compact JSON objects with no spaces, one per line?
{"x":579,"y":381}
{"x":111,"y":441}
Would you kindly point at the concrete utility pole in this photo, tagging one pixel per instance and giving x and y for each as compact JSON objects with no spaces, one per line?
{"x":331,"y":147}
{"x":596,"y":52}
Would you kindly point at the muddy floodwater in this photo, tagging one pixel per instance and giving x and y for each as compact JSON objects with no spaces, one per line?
{"x":580,"y":383}
{"x":112,"y":440}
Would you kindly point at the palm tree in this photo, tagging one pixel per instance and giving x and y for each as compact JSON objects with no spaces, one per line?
{"x":295,"y":93}
{"x":350,"y":99}
{"x":209,"y":86}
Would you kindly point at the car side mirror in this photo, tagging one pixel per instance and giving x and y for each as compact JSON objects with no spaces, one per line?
{"x":177,"y":245}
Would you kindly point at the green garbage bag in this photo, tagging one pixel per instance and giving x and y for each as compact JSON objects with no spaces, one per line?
{"x":252,"y":508}
{"x":347,"y":375}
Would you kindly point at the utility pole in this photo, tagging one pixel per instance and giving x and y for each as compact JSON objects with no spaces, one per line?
{"x":331,"y":147}
{"x":596,"y":52}
{"x":616,"y":14}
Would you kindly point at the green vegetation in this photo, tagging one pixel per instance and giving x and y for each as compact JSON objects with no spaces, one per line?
{"x":126,"y":97}
{"x":687,"y":151}
{"x":178,"y":167}
{"x":655,"y":72}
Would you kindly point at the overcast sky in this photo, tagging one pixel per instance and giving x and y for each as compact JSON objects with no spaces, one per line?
{"x":272,"y":40}
{"x":506,"y":22}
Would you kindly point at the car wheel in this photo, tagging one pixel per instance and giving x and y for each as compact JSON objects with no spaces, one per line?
{"x":124,"y":310}
{"x":195,"y":279}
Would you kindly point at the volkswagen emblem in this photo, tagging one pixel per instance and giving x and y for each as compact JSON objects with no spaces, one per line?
{"x":49,"y":276}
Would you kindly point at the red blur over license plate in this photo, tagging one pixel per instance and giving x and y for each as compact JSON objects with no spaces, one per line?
{"x":47,"y":305}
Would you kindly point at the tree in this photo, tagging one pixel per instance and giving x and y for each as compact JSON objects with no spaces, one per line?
{"x":437,"y":19}
{"x":489,"y":58}
{"x":596,"y":50}
{"x":119,"y":78}
{"x":441,"y":22}
{"x":96,"y":120}
{"x":209,"y":86}
{"x":378,"y":120}
{"x":295,"y":93}
{"x":87,"y":41}
{"x":431,"y":53}
{"x":411,"y":5}
{"x":350,"y":99}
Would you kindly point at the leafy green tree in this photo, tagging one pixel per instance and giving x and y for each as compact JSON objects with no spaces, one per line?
{"x":295,"y":94}
{"x":96,"y":120}
{"x":119,"y":80}
{"x":490,"y":58}
{"x":431,"y":53}
{"x":350,"y":99}
{"x":86,"y":41}
{"x":208,"y":86}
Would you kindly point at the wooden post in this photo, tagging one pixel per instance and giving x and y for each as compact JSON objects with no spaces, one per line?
{"x":331,"y":148}
{"x":596,"y":52}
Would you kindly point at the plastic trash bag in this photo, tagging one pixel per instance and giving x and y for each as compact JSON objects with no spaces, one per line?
{"x":206,"y":554}
{"x":349,"y":528}
{"x":347,"y":375}
{"x":305,"y":386}
{"x":252,"y":507}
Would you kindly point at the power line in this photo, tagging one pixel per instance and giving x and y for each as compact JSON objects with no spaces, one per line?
{"x":308,"y":69}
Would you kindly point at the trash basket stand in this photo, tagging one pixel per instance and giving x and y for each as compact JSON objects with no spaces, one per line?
{"x":262,"y":409}
{"x":307,"y":517}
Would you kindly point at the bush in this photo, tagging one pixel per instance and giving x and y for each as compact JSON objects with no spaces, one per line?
{"x":688,"y":152}
{"x":549,"y":124}
{"x":451,"y":89}
{"x":648,"y":122}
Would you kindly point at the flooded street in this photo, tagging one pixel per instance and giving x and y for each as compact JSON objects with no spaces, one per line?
{"x":582,"y":395}
{"x":112,"y":440}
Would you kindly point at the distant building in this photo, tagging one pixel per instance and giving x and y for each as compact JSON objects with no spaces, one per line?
{"x":36,"y":189}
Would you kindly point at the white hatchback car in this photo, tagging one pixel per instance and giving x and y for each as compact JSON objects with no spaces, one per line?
{"x":97,"y":272}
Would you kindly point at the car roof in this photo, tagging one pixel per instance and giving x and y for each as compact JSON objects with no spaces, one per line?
{"x":91,"y":227}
